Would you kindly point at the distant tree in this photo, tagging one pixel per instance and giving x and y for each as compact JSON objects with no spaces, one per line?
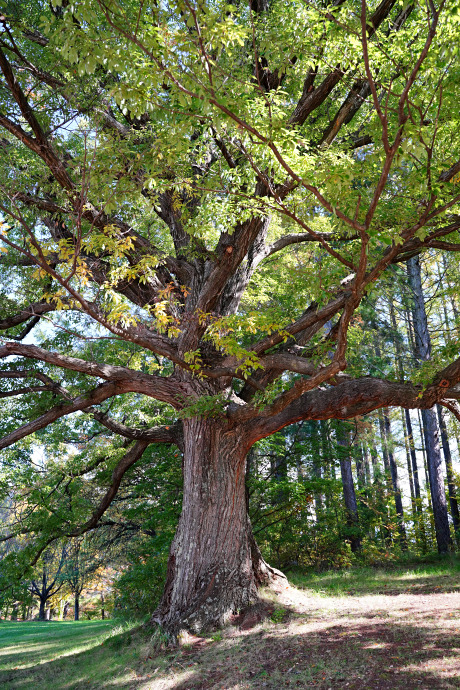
{"x":49,"y":579}
{"x":83,"y":559}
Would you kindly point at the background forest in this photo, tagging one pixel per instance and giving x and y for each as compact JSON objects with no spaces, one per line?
{"x":229,"y":290}
{"x":321,"y":494}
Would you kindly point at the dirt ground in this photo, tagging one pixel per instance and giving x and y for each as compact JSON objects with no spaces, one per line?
{"x":372,"y":642}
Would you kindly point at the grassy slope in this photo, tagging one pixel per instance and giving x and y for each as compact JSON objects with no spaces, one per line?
{"x":440,"y":576}
{"x":60,"y":655}
{"x":360,"y":629}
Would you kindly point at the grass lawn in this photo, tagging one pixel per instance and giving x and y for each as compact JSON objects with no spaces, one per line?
{"x":56,"y":655}
{"x":441,"y":576}
{"x":393,"y":629}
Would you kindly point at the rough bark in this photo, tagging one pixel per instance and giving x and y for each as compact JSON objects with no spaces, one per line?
{"x":449,"y":471}
{"x":395,"y":481}
{"x":215,"y":566}
{"x":349,"y":495}
{"x":430,"y":427}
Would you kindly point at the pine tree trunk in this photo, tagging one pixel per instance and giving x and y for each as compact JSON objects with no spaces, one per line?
{"x":438,"y":495}
{"x":430,"y":427}
{"x":317,"y":469}
{"x":215,"y":566}
{"x":349,"y":495}
{"x":449,"y":472}
{"x":395,"y":480}
{"x":386,"y":462}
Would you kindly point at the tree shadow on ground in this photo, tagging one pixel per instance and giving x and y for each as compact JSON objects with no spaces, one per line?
{"x":100,"y":666}
{"x":382,"y":655}
{"x":30,"y":641}
{"x":376,"y":650}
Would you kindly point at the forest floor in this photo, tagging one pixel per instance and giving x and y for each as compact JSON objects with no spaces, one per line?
{"x":363,"y":629}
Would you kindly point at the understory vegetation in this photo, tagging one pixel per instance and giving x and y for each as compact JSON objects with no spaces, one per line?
{"x":380,"y":628}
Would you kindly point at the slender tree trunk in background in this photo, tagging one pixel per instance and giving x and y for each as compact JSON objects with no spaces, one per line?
{"x":425,"y":463}
{"x":376,"y":471}
{"x":417,"y":516}
{"x":102,"y":606}
{"x":41,"y":610}
{"x":360,"y":470}
{"x":379,"y":486}
{"x":367,"y":469}
{"x":215,"y":566}
{"x":430,"y":427}
{"x":431,"y":535}
{"x":349,"y":495}
{"x":326,"y":449}
{"x":436,"y":479}
{"x":413,"y":456}
{"x":395,"y":481}
{"x":316,"y":470}
{"x":409,"y":464}
{"x":383,"y":441}
{"x":449,"y":471}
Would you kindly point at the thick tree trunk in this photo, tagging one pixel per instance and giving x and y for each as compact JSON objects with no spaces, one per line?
{"x":76,"y":610}
{"x":214,"y":566}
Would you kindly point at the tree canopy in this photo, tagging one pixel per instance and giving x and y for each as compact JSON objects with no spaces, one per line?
{"x":200,"y":204}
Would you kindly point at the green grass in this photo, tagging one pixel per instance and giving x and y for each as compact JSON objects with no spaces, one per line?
{"x":320,"y":645}
{"x":440,"y":576}
{"x":64,"y":655}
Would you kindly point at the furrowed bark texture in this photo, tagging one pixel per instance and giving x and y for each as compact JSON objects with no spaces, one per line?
{"x":214,"y":567}
{"x":395,"y":481}
{"x":449,"y":471}
{"x":438,"y":495}
{"x":349,"y":495}
{"x":430,"y":426}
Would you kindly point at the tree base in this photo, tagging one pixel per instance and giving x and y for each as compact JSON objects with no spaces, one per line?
{"x":218,"y":600}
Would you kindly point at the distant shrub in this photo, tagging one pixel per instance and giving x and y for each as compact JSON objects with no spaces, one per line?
{"x":138,"y":590}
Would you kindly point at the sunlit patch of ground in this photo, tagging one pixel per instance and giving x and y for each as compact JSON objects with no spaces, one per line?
{"x":375,"y":641}
{"x":310,"y":639}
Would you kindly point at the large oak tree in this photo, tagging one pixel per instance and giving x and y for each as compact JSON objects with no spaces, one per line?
{"x":219,"y":186}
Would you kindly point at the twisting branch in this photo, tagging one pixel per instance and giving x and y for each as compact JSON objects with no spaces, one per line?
{"x":94,"y":397}
{"x":126,"y":379}
{"x":127,"y":461}
{"x":44,"y":378}
{"x":31,"y":312}
{"x":160,"y":434}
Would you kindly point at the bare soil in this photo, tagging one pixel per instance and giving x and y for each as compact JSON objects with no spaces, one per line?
{"x":408,"y":639}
